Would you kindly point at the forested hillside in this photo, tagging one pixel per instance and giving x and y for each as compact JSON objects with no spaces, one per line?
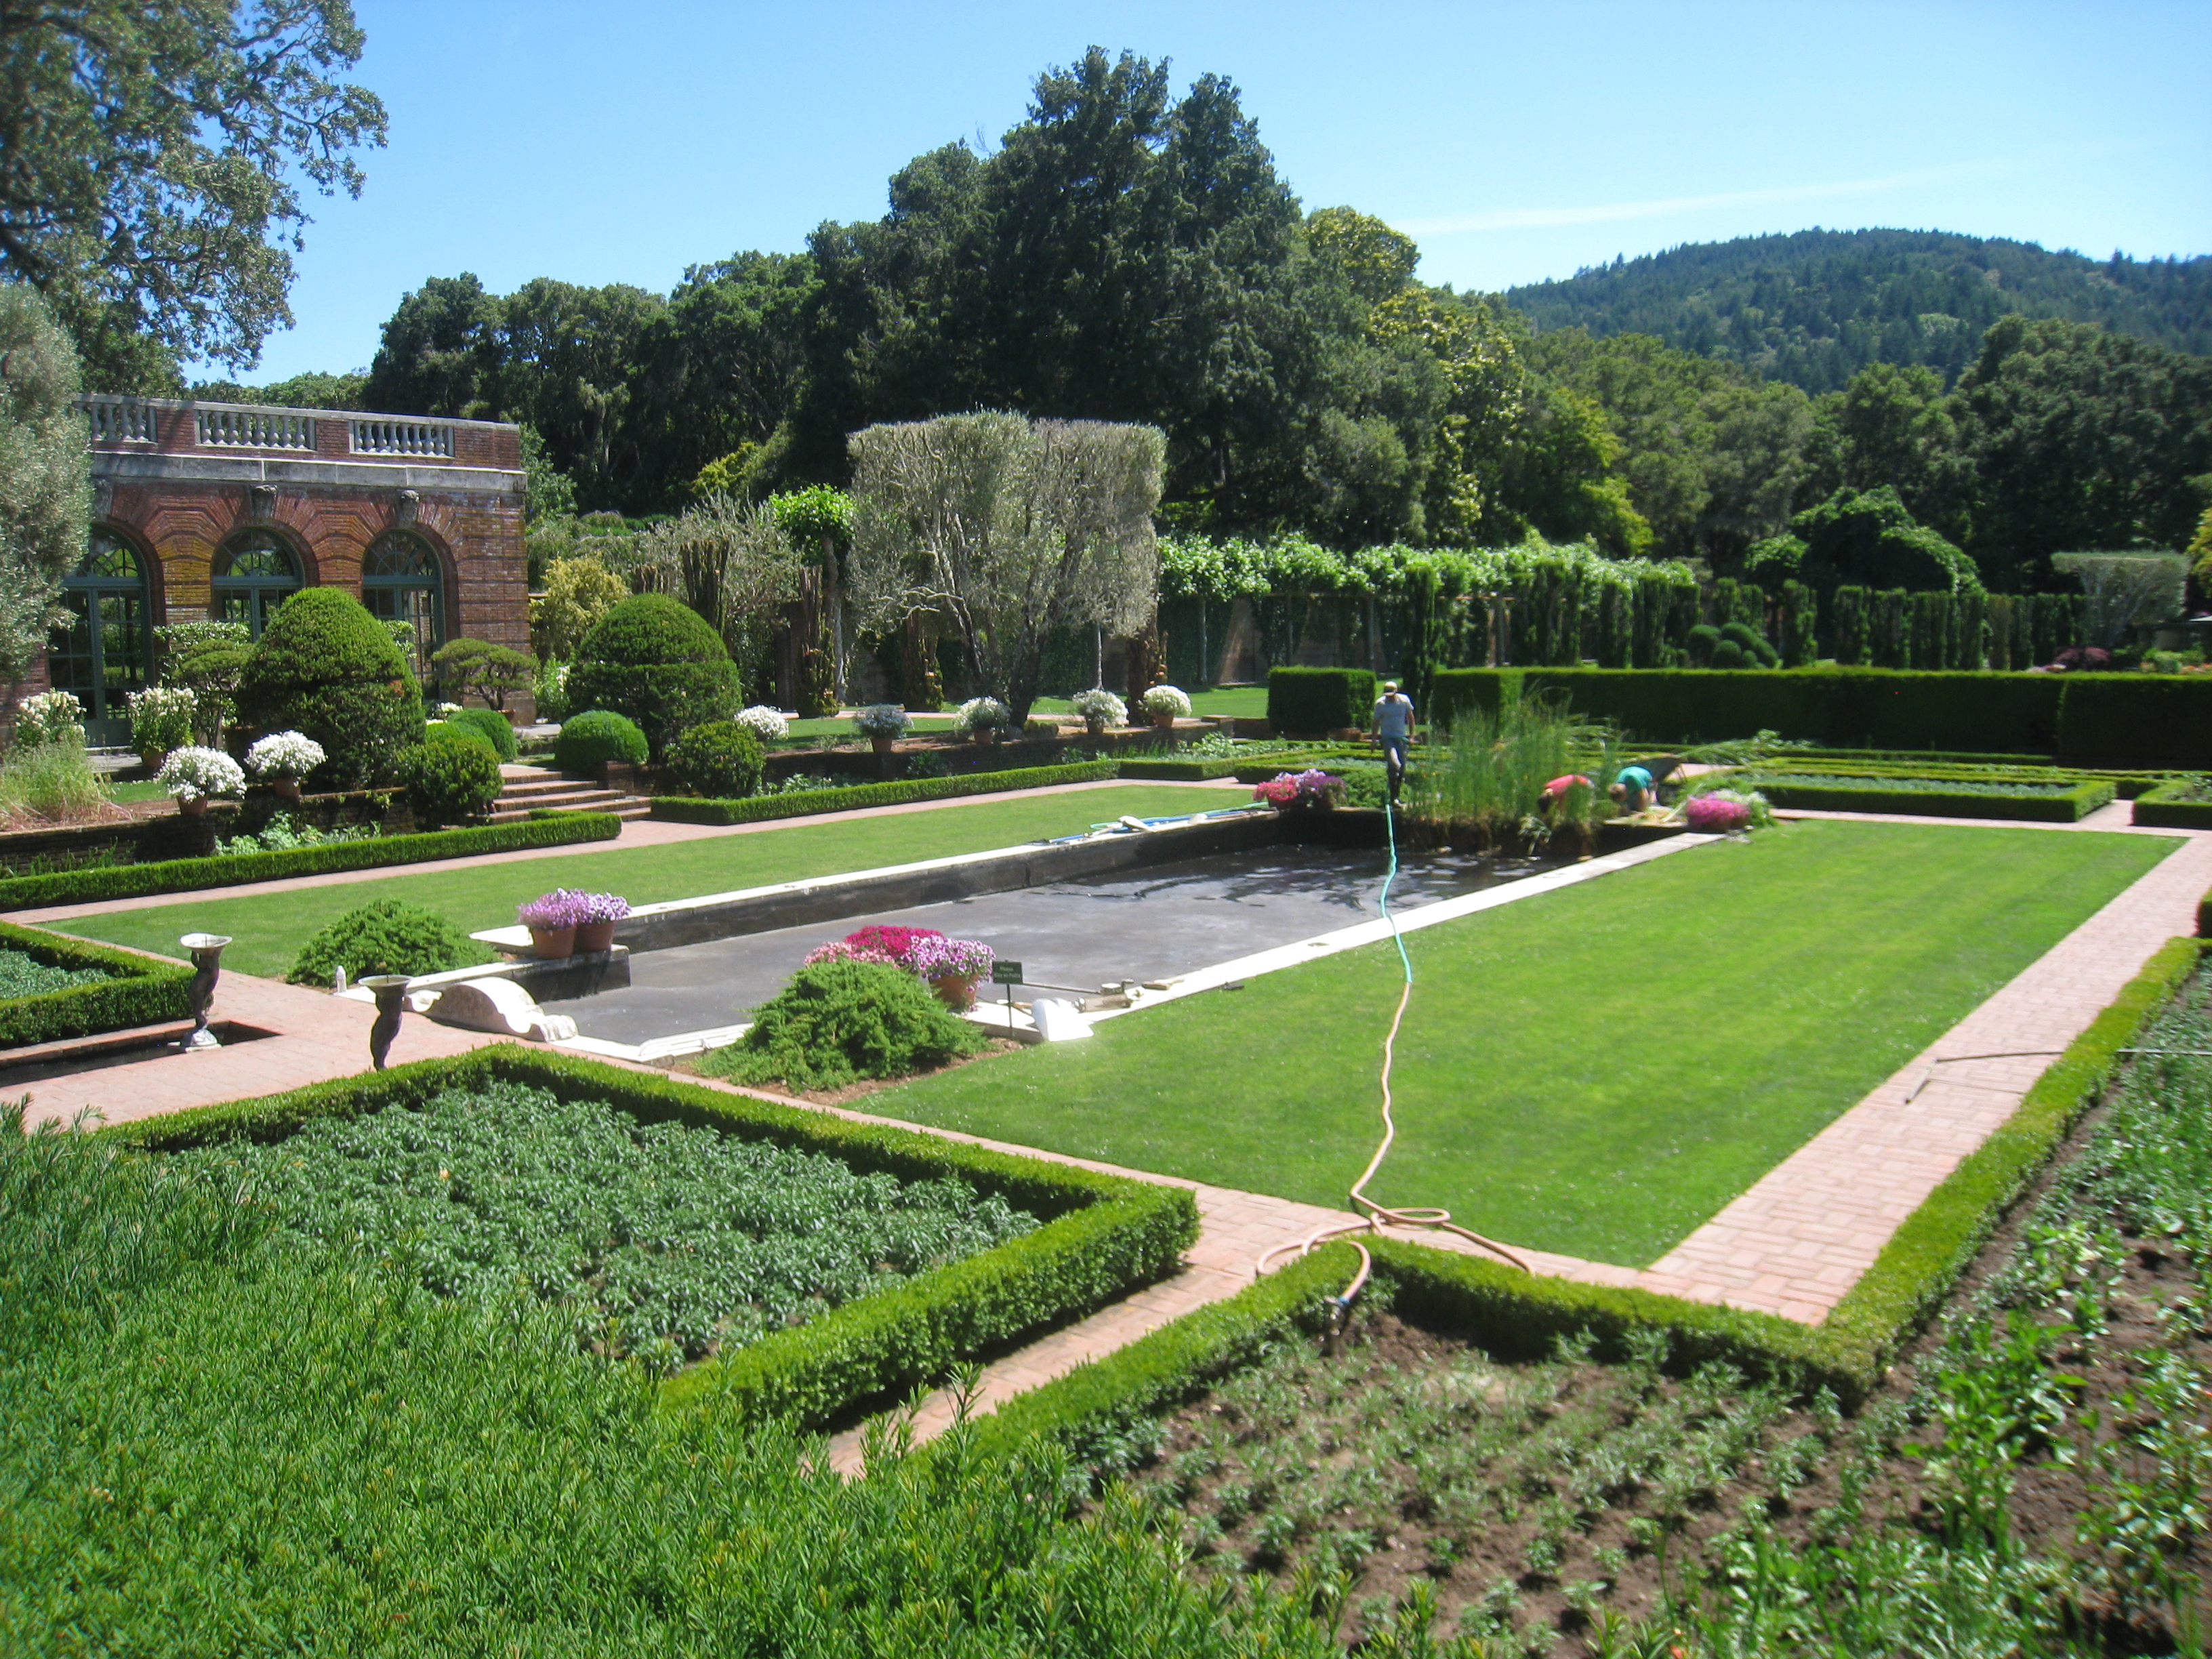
{"x":1817,"y":306}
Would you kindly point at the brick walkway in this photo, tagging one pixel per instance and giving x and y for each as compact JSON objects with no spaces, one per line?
{"x":645,"y":832}
{"x":316,"y":1038}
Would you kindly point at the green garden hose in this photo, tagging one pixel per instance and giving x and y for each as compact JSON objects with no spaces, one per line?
{"x":1376,"y":1216}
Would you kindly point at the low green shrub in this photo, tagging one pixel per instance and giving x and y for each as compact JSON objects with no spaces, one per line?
{"x":52,"y":988}
{"x":450,"y":775}
{"x":2028,"y":803}
{"x":1315,"y":701}
{"x":799,"y":803}
{"x":721,"y":759}
{"x":2184,"y":803}
{"x":839,"y":1022}
{"x":595,"y":737}
{"x":495,"y":727}
{"x":385,"y":937}
{"x":121,"y":881}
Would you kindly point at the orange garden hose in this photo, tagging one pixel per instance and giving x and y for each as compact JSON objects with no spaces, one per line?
{"x":1376,"y":1216}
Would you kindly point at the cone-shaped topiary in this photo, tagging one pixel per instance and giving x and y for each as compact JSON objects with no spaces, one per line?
{"x":658,"y":662}
{"x":325,"y":667}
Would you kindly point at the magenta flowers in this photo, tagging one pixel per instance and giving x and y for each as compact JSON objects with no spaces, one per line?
{"x":1716,"y":814}
{"x":1312,"y":788}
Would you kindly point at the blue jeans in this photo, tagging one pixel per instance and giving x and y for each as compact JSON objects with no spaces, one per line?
{"x":1393,"y":761}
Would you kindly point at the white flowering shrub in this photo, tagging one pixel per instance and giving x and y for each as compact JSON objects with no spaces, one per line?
{"x":193,"y":773}
{"x":162,"y":718}
{"x":881,"y":720}
{"x":986,"y":713}
{"x":1099,"y":704}
{"x":1166,"y":700}
{"x":50,"y":717}
{"x":284,"y":755}
{"x":763,"y":722}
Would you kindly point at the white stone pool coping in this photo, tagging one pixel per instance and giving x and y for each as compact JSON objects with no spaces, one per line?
{"x":992,"y":1015}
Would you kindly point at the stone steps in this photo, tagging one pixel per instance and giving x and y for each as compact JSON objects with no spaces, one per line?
{"x":528,"y":789}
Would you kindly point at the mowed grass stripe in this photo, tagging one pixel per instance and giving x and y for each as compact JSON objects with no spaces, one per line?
{"x":1597,"y":1071}
{"x":269,"y":928}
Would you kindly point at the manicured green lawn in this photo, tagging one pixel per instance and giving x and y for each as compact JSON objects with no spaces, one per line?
{"x":142,"y":789}
{"x":1595,"y":1071}
{"x":270,"y":928}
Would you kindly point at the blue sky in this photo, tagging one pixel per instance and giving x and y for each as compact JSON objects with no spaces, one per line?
{"x":601,"y":143}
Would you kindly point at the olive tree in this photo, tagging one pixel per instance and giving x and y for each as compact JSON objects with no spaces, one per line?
{"x":45,"y":481}
{"x":1008,"y":529}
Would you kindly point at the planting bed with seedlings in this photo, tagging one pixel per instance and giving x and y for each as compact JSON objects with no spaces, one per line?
{"x":2030,"y":1480}
{"x":664,"y":1241}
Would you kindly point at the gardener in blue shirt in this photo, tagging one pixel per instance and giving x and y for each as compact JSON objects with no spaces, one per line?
{"x":1393,"y":728}
{"x":1632,"y":789}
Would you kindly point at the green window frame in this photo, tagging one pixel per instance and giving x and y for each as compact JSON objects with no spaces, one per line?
{"x":100,"y":651}
{"x":254,"y":573}
{"x":401,"y":581}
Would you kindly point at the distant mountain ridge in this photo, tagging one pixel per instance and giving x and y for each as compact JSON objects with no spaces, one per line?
{"x":1816,"y":305}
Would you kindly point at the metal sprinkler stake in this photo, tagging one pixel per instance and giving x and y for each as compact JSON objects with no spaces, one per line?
{"x":207,"y":957}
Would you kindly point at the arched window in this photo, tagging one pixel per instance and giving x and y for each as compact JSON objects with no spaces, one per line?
{"x":254,"y":573}
{"x":400,"y":582}
{"x":100,"y":650}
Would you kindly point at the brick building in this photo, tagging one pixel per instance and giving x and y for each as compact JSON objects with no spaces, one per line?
{"x":220,"y":510}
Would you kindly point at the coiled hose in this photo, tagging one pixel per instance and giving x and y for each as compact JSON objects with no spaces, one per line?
{"x":1375,"y":1216}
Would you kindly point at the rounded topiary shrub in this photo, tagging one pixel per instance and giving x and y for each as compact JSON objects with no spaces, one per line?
{"x":658,"y":662}
{"x":386,"y":937}
{"x":721,"y":759}
{"x":838,"y":1022}
{"x":453,"y":773}
{"x":496,"y":729}
{"x":325,"y":667}
{"x":596,"y":736}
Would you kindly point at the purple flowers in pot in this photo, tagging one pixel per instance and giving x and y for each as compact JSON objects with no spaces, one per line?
{"x":601,"y":906}
{"x":936,"y":956}
{"x":551,"y":912}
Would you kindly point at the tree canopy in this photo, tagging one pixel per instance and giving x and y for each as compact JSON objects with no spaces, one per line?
{"x":151,"y":160}
{"x":46,"y":489}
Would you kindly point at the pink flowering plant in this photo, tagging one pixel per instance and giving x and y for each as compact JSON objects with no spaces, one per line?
{"x":839,"y":950}
{"x":1312,"y":788}
{"x":939,"y":957}
{"x":563,"y":907}
{"x":1726,"y":811}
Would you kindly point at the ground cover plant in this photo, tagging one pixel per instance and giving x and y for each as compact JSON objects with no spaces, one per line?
{"x":385,"y":936}
{"x":839,"y":1022}
{"x":271,"y":928}
{"x":662,"y":1241}
{"x":22,"y":975}
{"x":1865,"y":942}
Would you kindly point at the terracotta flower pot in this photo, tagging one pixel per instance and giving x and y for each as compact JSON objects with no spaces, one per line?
{"x":196,"y":807}
{"x":882,"y":744}
{"x":1164,"y":721}
{"x":956,"y":991}
{"x":553,"y":943}
{"x":983,"y":734}
{"x":592,"y":936}
{"x":285,"y":789}
{"x":1094,"y":725}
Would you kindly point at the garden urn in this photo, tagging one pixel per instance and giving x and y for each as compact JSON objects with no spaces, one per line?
{"x":391,"y":993}
{"x":550,"y":943}
{"x":206,"y":950}
{"x":956,"y":991}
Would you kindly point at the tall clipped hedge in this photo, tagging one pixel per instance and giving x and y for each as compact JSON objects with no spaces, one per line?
{"x":2156,"y":720}
{"x":327,"y":667}
{"x":658,"y":662}
{"x":1309,"y":702}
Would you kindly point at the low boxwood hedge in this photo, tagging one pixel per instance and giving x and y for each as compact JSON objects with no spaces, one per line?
{"x":1511,"y":1314}
{"x":2067,"y":806}
{"x":122,"y":881}
{"x":141,"y":991}
{"x":2166,"y":808}
{"x":2151,"y":719}
{"x":1103,"y":1235}
{"x":756,"y":809}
